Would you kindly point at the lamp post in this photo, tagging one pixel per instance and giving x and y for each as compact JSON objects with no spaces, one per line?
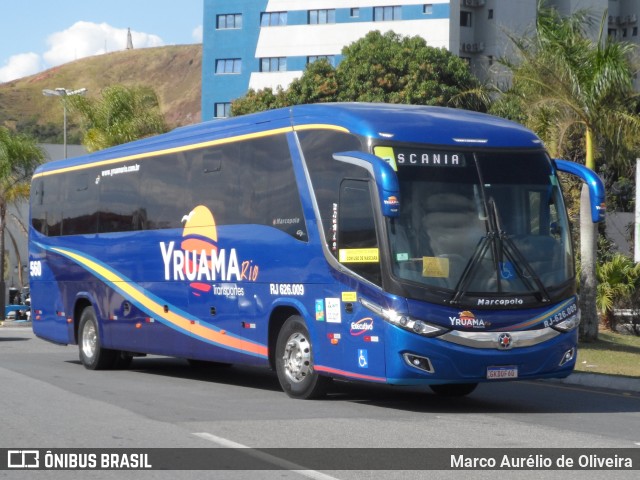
{"x":64,"y":93}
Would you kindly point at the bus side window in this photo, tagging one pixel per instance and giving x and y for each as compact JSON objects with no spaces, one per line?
{"x":248,"y":182}
{"x":38,"y":212}
{"x":80,"y":205}
{"x":357,"y":240}
{"x":46,"y":207}
{"x":162,"y":193}
{"x":274,"y":197}
{"x":120,"y":203}
{"x":326,"y":173}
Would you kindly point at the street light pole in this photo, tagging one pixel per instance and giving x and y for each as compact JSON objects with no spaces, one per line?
{"x":64,"y":93}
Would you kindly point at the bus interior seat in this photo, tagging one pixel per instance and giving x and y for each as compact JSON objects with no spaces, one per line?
{"x":451,"y":228}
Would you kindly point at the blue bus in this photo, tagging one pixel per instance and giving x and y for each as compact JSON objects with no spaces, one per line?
{"x":402,"y":245}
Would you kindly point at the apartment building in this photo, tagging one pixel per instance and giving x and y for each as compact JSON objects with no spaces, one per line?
{"x":267,"y":43}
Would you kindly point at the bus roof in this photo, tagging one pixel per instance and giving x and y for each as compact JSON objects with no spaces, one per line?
{"x":419,"y":124}
{"x":393,"y":122}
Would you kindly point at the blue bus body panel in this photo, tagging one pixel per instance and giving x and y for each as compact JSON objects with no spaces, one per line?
{"x":145,"y":303}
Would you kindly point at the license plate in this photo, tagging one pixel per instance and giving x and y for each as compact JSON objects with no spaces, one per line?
{"x":502,"y":373}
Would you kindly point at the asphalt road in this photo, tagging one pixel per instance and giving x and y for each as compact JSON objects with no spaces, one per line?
{"x":48,"y":400}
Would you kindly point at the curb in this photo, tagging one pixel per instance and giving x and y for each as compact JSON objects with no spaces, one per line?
{"x":610,"y":382}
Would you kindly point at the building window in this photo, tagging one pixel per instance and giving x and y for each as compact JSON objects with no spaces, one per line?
{"x":490,"y":16}
{"x":465,"y":19}
{"x":228,"y":65}
{"x":427,"y":9}
{"x":222,"y":110}
{"x":612,"y":32}
{"x":354,"y":12}
{"x":314,"y":58}
{"x":273,"y":19}
{"x":229,"y":21}
{"x":635,"y":31}
{"x":387,"y":14}
{"x":317,"y":17}
{"x":273,"y":64}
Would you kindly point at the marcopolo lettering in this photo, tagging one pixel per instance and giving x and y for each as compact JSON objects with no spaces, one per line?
{"x":499,"y":301}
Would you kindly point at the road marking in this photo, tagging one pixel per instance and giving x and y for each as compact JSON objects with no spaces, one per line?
{"x":223,"y":442}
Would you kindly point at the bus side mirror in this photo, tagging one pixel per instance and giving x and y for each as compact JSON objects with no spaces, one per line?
{"x":596,"y":187}
{"x":384,"y":176}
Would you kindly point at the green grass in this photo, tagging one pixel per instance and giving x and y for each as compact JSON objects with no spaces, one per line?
{"x":612,"y":354}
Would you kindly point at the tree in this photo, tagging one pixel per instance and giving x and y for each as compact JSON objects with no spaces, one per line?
{"x":19,"y":156}
{"x":121,"y":114}
{"x":388,"y":68}
{"x":570,"y":84}
{"x":259,"y":101}
{"x":618,"y":279}
{"x":392,"y":68}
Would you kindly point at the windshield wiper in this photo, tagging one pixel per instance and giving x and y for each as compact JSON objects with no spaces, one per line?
{"x":498,"y":240}
{"x":512,"y":251}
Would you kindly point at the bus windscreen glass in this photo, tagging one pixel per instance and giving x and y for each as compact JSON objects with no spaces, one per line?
{"x":489,"y":223}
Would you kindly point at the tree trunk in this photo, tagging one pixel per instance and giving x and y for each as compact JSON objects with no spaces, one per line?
{"x":588,"y":281}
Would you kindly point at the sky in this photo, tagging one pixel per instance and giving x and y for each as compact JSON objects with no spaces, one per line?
{"x":39,"y":34}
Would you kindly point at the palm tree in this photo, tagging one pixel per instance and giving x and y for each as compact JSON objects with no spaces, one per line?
{"x":571,"y":84}
{"x":19,"y":156}
{"x":121,"y":114}
{"x":618,"y":279}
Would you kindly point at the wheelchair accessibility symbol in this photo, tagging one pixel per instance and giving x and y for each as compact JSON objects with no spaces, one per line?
{"x":363,"y":359}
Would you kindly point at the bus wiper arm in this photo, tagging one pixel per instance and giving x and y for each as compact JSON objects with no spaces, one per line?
{"x":525,"y":271}
{"x":480,"y":251}
{"x":502,"y":244}
{"x":513,"y":253}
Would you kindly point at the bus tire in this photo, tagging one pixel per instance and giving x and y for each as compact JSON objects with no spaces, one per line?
{"x":294,"y":362}
{"x":453,"y":389}
{"x":92,"y":355}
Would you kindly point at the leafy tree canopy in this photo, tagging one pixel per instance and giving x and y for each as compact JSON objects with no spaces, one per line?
{"x":121,"y":114}
{"x":387,"y":68}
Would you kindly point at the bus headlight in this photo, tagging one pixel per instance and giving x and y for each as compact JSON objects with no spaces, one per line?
{"x":416,"y":326}
{"x":569,"y":324}
{"x":405,"y":322}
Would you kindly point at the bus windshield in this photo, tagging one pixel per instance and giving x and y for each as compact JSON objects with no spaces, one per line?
{"x":480,"y":223}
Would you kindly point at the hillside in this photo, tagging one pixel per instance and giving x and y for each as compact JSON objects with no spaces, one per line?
{"x":174,"y":72}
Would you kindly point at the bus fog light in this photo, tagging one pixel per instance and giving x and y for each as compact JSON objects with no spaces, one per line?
{"x":416,"y":361}
{"x":568,"y":356}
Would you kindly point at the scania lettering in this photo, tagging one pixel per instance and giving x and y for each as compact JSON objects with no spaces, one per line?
{"x":364,"y":242}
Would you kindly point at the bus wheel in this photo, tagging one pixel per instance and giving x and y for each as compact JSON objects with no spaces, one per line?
{"x":294,"y":362}
{"x":92,"y":355}
{"x":454,"y":389}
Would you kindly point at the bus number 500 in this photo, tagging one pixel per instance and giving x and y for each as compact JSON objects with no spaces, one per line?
{"x":35,"y":268}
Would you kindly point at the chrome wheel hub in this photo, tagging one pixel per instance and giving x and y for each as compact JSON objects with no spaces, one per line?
{"x":89,"y":340}
{"x":297,"y":358}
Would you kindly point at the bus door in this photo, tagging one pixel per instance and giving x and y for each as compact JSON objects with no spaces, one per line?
{"x":358,"y":249}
